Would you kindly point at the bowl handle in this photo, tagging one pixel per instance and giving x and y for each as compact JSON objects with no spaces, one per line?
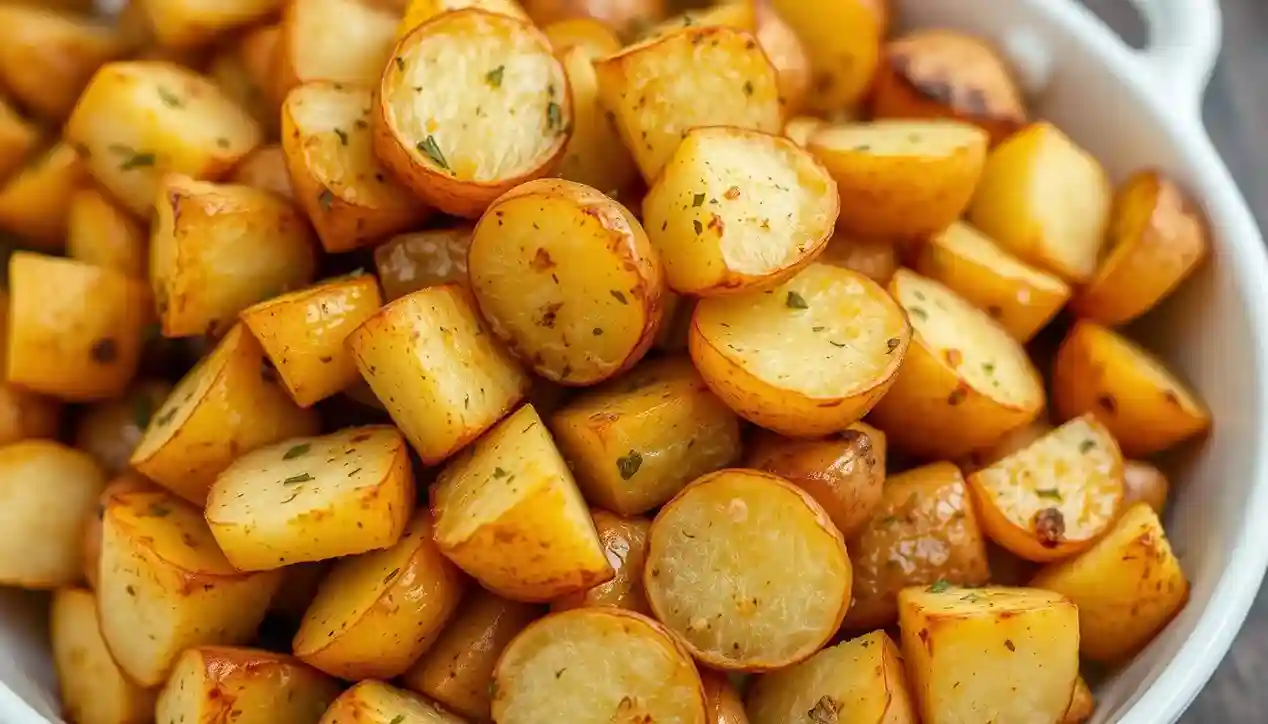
{"x":1184,"y":40}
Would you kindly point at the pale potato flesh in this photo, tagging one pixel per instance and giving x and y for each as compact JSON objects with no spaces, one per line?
{"x":345,"y":41}
{"x":93,"y":689}
{"x":374,"y":702}
{"x":245,"y":686}
{"x":409,"y":262}
{"x":968,"y":243}
{"x":898,"y":139}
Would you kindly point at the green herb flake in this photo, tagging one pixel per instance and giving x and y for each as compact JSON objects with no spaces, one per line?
{"x":432,"y":149}
{"x":1086,"y":446}
{"x":618,"y":296}
{"x":297,"y":450}
{"x":325,"y":199}
{"x":940,"y":585}
{"x":499,"y":473}
{"x":918,"y":312}
{"x":817,"y":329}
{"x":343,"y":136}
{"x":494,"y":77}
{"x":142,"y":411}
{"x":748,"y":87}
{"x":391,"y":576}
{"x":170,"y":99}
{"x":400,"y":63}
{"x":629,"y":464}
{"x":301,"y":478}
{"x":889,"y":520}
{"x":699,"y":227}
{"x":158,"y":510}
{"x":1052,"y":493}
{"x":795,"y":301}
{"x":399,"y":717}
{"x":132,"y":157}
{"x":222,"y":142}
{"x":166,"y":417}
{"x":554,"y":116}
{"x":697,"y":200}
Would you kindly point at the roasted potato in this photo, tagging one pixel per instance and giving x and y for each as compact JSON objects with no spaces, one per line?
{"x":1145,"y":407}
{"x":901,"y":179}
{"x":228,"y":69}
{"x":625,"y":544}
{"x":373,"y":702}
{"x":18,"y":138}
{"x":1046,"y":200}
{"x":625,"y":17}
{"x":410,"y":262}
{"x":970,"y":651}
{"x":432,"y":362}
{"x":500,"y":115}
{"x":595,"y":155}
{"x":843,"y":39}
{"x":244,"y":686}
{"x":508,"y":512}
{"x":1157,"y":237}
{"x":1081,"y":704}
{"x":722,"y":702}
{"x":99,"y":232}
{"x":1011,"y":442}
{"x":342,"y":41}
{"x":732,"y":596}
{"x":567,"y":279}
{"x":35,"y":201}
{"x":93,"y":689}
{"x":876,"y":259}
{"x":179,"y":24}
{"x":965,"y":383}
{"x":298,"y":589}
{"x":585,"y":32}
{"x":110,"y":430}
{"x":547,"y":674}
{"x":265,"y":169}
{"x":1144,"y":483}
{"x":418,"y":12}
{"x":26,"y":415}
{"x":90,"y":548}
{"x":755,"y":350}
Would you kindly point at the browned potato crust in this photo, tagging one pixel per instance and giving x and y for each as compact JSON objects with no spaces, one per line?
{"x":625,"y":544}
{"x":243,"y":686}
{"x":1082,"y":704}
{"x":110,"y":430}
{"x":410,"y":262}
{"x":128,"y":482}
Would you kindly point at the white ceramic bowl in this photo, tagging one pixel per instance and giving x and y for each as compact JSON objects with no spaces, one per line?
{"x":1132,"y":109}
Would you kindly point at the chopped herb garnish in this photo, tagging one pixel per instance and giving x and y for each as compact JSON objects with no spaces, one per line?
{"x":132,"y":157}
{"x":399,"y":717}
{"x":395,"y":572}
{"x":554,"y":116}
{"x":297,"y":450}
{"x":494,"y":77}
{"x":301,"y":478}
{"x":166,"y":417}
{"x":400,"y":63}
{"x":939,"y":585}
{"x":695,"y":224}
{"x":629,"y":464}
{"x":889,"y":520}
{"x":1086,"y":446}
{"x":795,"y":301}
{"x":697,"y":200}
{"x":499,"y":473}
{"x":343,"y":136}
{"x":841,"y":345}
{"x":429,"y":147}
{"x":142,"y":410}
{"x":748,"y":87}
{"x":325,"y":199}
{"x":817,"y":329}
{"x":988,"y":368}
{"x":597,"y":331}
{"x":1052,"y":493}
{"x":618,"y":296}
{"x":918,"y":312}
{"x":170,"y":99}
{"x":159,"y":510}
{"x":222,"y":142}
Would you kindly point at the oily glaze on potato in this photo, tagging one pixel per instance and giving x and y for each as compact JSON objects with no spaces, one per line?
{"x":19,"y":136}
{"x":718,"y":574}
{"x":595,"y":155}
{"x":625,"y":544}
{"x":111,"y":430}
{"x":342,"y":41}
{"x":757,"y":350}
{"x":265,"y":169}
{"x":101,"y":233}
{"x":843,"y":39}
{"x":93,"y":689}
{"x":374,"y":702}
{"x":35,"y":200}
{"x":721,"y":700}
{"x":410,"y":262}
{"x":876,"y":259}
{"x":244,"y":686}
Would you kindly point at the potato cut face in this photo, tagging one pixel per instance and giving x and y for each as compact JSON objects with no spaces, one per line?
{"x":547,"y":672}
{"x":625,"y":545}
{"x":723,"y":571}
{"x":250,"y":686}
{"x":736,"y":210}
{"x":374,"y":702}
{"x":897,"y":139}
{"x":409,"y":262}
{"x":344,"y":41}
{"x":93,"y":689}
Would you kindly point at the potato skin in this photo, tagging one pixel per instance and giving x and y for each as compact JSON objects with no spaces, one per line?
{"x":625,"y":544}
{"x":374,"y":702}
{"x":210,"y":684}
{"x":1081,"y":704}
{"x":722,"y":702}
{"x":265,"y":168}
{"x":343,"y":41}
{"x":93,"y":688}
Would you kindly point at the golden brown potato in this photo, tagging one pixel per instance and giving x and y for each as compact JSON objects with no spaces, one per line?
{"x":244,"y":686}
{"x":721,"y":700}
{"x":635,"y":442}
{"x":1046,"y":200}
{"x":110,"y":430}
{"x":1144,"y":483}
{"x":625,"y":17}
{"x":595,"y":155}
{"x":548,"y":673}
{"x":625,"y":544}
{"x":35,"y":201}
{"x":373,"y":702}
{"x":901,"y":179}
{"x":731,"y":595}
{"x":93,"y":689}
{"x":90,"y":548}
{"x":876,"y":259}
{"x":756,"y":351}
{"x":18,"y":138}
{"x":418,"y":12}
{"x":843,"y":39}
{"x":473,"y":104}
{"x":265,"y":169}
{"x":342,"y":41}
{"x":99,"y":232}
{"x":585,"y":32}
{"x":442,"y":389}
{"x":1145,"y":407}
{"x":258,"y":51}
{"x":965,"y":383}
{"x":568,"y":280}
{"x":185,"y":24}
{"x":229,"y":71}
{"x":410,"y":262}
{"x":1157,"y":237}
{"x":1082,"y":704}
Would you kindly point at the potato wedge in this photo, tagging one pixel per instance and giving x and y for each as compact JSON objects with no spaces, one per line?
{"x":1046,"y":200}
{"x":595,"y":155}
{"x":680,"y":71}
{"x":164,"y":586}
{"x":244,"y":686}
{"x":1054,"y":497}
{"x":140,"y":120}
{"x":843,"y":39}
{"x":1082,"y":704}
{"x":876,"y":259}
{"x":443,"y":390}
{"x":861,"y":680}
{"x":833,"y":320}
{"x":722,"y":702}
{"x":901,"y":179}
{"x":965,"y":383}
{"x":342,"y":41}
{"x":410,"y":262}
{"x":99,"y":232}
{"x":546,"y":674}
{"x":585,"y":32}
{"x":502,"y":115}
{"x":567,"y":279}
{"x":36,"y":199}
{"x":309,"y":499}
{"x":229,"y":404}
{"x":110,"y":430}
{"x":1144,"y":483}
{"x":625,"y":544}
{"x":18,"y":138}
{"x":373,"y":702}
{"x":418,"y":12}
{"x":1145,"y":407}
{"x":1157,"y":237}
{"x":508,"y":512}
{"x":731,"y":596}
{"x":189,"y":23}
{"x":627,"y":18}
{"x":93,"y":689}
{"x":969,"y":651}
{"x":265,"y":169}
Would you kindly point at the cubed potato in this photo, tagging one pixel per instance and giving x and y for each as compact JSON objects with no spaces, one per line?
{"x":874,"y":258}
{"x":901,"y":179}
{"x":410,"y":262}
{"x":458,"y":668}
{"x":625,"y":544}
{"x":1157,"y":238}
{"x":18,"y":138}
{"x":303,"y":334}
{"x":265,"y":169}
{"x":81,"y":343}
{"x":472,"y":105}
{"x":231,"y":403}
{"x":342,"y":41}
{"x":99,"y":232}
{"x":843,"y":39}
{"x":736,"y":211}
{"x":627,"y":18}
{"x":721,"y":700}
{"x":137,"y":121}
{"x":93,"y":689}
{"x":508,"y":512}
{"x":418,"y":12}
{"x":1127,"y":586}
{"x":228,"y":70}
{"x":110,"y":430}
{"x":244,"y":686}
{"x":188,"y":23}
{"x":731,"y":595}
{"x":585,"y":32}
{"x":1046,"y":200}
{"x":1144,"y":405}
{"x":90,"y":548}
{"x":861,"y":680}
{"x":800,"y":129}
{"x":346,"y":192}
{"x":548,"y":673}
{"x":971,"y":653}
{"x":567,"y":278}
{"x":309,"y":499}
{"x":965,"y":383}
{"x":374,"y":702}
{"x":164,"y":586}
{"x":1082,"y":704}
{"x":35,"y":201}
{"x":216,"y":249}
{"x":806,"y":358}
{"x":635,"y":442}
{"x":706,"y":76}
{"x":1144,"y":483}
{"x":436,"y":368}
{"x":595,"y":155}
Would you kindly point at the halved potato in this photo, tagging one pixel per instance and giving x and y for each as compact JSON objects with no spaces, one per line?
{"x":110,"y":430}
{"x":473,"y":104}
{"x":585,"y":32}
{"x":861,"y":680}
{"x":243,"y":686}
{"x":436,"y":368}
{"x":410,"y":262}
{"x":508,"y":512}
{"x":874,"y":258}
{"x":309,"y":499}
{"x":164,"y":586}
{"x":265,"y":169}
{"x":1046,"y":200}
{"x":732,"y":595}
{"x":721,"y":700}
{"x":595,"y":155}
{"x":1144,"y":483}
{"x":625,"y":544}
{"x":342,"y":41}
{"x":1157,"y":237}
{"x":966,"y":382}
{"x":625,"y":17}
{"x":1082,"y":704}
{"x":373,"y":702}
{"x":901,"y":179}
{"x":101,"y":233}
{"x":35,"y":200}
{"x":756,"y":351}
{"x":18,"y":138}
{"x":568,"y":280}
{"x":1144,"y":405}
{"x":418,"y":12}
{"x":93,"y":689}
{"x":735,"y":210}
{"x":188,"y":23}
{"x":547,"y":674}
{"x":659,"y":89}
